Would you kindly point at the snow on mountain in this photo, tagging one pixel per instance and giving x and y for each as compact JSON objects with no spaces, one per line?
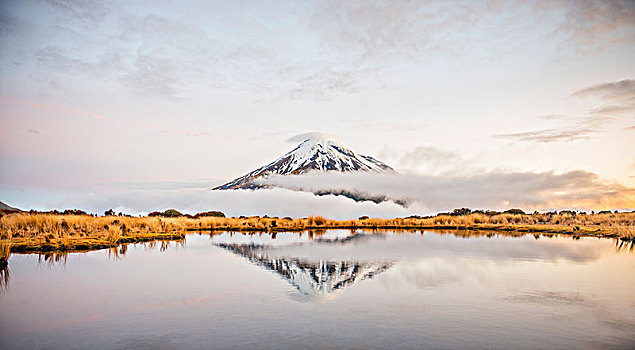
{"x":313,"y":154}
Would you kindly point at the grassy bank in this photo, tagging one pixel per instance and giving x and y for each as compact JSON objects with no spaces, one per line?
{"x":25,"y":232}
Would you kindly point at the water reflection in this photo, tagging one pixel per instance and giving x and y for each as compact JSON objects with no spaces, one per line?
{"x":313,"y":279}
{"x":119,"y":252}
{"x":622,"y":246}
{"x":56,"y":258}
{"x":4,"y":278}
{"x":550,"y":298}
{"x":321,"y":263}
{"x":53,"y":258}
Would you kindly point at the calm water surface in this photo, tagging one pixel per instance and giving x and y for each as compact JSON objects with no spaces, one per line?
{"x":338,"y":289}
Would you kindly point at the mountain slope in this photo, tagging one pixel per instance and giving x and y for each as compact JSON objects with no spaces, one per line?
{"x":311,"y":155}
{"x":4,"y":206}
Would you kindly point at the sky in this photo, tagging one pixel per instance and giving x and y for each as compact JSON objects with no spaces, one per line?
{"x":139,"y":105}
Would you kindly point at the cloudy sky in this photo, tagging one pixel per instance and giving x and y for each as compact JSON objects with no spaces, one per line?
{"x":101,"y":99}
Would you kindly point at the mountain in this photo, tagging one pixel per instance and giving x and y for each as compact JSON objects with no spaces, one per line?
{"x":4,"y":206}
{"x":313,"y":154}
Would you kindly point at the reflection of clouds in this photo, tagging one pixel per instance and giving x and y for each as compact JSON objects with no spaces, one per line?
{"x":551,"y":298}
{"x":611,"y":321}
{"x":321,"y":266}
{"x":150,"y":341}
{"x":442,"y":260}
{"x":616,"y":342}
{"x":435,"y":272}
{"x":601,"y":312}
{"x":406,"y":245}
{"x":545,"y":249}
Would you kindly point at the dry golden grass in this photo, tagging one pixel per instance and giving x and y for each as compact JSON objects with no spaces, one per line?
{"x":5,"y":252}
{"x":42,"y":232}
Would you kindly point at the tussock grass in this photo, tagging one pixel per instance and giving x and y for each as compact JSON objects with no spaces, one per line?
{"x":45,"y":232}
{"x":5,"y":252}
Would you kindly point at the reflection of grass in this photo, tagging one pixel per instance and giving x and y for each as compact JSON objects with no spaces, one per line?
{"x":5,"y":251}
{"x":624,"y":245}
{"x":4,"y":278}
{"x":45,"y":232}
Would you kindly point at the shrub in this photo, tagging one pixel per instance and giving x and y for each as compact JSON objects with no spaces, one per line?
{"x":172,"y":213}
{"x":461,"y":212}
{"x":514,"y":211}
{"x":317,"y":220}
{"x":213,"y":213}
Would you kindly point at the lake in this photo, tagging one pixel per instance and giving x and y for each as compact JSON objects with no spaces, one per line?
{"x":320,"y":290}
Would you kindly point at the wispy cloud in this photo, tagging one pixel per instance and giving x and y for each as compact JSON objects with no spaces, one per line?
{"x":579,"y":130}
{"x":593,"y":24}
{"x":322,"y":85}
{"x":332,"y":47}
{"x":434,"y":161}
{"x":410,"y":31}
{"x":375,"y":32}
{"x":553,"y":117}
{"x":314,"y":135}
{"x":611,"y":90}
{"x":152,"y":76}
{"x":88,"y":11}
{"x":623,"y":109}
{"x":619,"y":97}
{"x":58,"y":59}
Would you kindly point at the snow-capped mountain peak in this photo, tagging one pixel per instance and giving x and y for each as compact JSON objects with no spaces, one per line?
{"x":313,"y":154}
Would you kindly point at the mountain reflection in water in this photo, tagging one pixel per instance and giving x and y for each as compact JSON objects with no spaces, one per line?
{"x":313,"y":279}
{"x":319,"y":264}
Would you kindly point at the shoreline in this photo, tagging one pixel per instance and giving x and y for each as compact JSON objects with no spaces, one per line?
{"x":583,"y":232}
{"x":65,"y":245}
{"x":38,"y":233}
